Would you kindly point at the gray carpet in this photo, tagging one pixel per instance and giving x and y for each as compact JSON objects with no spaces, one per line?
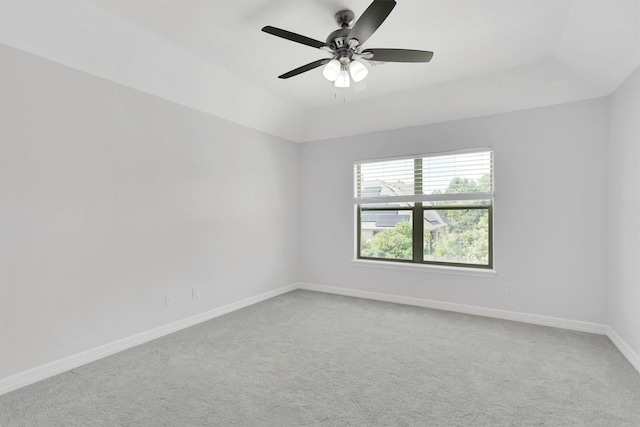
{"x":307,"y":359}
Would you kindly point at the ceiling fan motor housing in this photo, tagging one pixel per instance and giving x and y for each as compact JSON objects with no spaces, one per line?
{"x":337,"y":40}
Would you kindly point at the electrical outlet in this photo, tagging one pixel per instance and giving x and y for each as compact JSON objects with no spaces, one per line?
{"x":508,"y":289}
{"x":168,"y":299}
{"x":195,"y":293}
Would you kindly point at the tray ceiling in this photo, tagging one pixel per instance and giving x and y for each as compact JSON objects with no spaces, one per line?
{"x":491,"y":56}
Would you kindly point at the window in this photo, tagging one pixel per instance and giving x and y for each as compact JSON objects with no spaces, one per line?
{"x":428,"y":209}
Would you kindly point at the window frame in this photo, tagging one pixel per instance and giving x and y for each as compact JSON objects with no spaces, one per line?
{"x":418,"y":209}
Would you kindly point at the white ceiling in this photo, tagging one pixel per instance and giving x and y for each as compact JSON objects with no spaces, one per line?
{"x":491,"y":56}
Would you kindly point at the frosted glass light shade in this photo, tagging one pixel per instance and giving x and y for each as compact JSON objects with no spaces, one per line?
{"x":343,"y":79}
{"x":331,"y":70}
{"x":358,"y":70}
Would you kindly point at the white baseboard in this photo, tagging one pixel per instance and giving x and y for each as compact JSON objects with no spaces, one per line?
{"x":556,"y":322}
{"x":624,"y":348}
{"x":59,"y":366}
{"x":39,"y":373}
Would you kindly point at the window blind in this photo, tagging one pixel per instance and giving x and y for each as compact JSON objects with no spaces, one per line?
{"x":460,"y":175}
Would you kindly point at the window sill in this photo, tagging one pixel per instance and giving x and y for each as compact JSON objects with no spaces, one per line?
{"x":460,"y":271}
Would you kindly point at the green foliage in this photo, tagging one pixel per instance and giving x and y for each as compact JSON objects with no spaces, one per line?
{"x":467,"y":235}
{"x":484,"y":184}
{"x":468,"y":243}
{"x":462,"y":185}
{"x":477,"y":244}
{"x":466,"y":185}
{"x":463,"y":220}
{"x":428,"y":242}
{"x":395,"y":243}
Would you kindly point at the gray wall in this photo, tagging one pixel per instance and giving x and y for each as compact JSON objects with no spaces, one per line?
{"x":111,"y":198}
{"x":550,"y":214}
{"x":624,"y":213}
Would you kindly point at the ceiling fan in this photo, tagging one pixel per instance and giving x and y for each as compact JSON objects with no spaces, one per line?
{"x":345,"y":46}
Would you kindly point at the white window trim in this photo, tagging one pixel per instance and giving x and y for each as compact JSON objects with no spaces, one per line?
{"x":424,"y":156}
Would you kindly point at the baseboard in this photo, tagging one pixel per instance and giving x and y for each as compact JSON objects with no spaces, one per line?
{"x":624,"y":348}
{"x":39,"y":373}
{"x":57,"y":367}
{"x":574,"y":325}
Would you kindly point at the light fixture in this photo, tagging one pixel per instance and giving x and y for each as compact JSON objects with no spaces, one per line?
{"x":358,"y":70}
{"x":342,"y":71}
{"x":343,"y":79}
{"x":331,"y":70}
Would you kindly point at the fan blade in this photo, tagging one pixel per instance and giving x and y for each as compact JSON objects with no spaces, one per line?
{"x":293,"y":37}
{"x":304,"y":68}
{"x":399,"y":55}
{"x":370,"y":20}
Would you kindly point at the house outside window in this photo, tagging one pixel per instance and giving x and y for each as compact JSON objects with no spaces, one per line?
{"x":426,"y":209}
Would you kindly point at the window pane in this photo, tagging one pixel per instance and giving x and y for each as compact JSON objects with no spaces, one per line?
{"x":458,"y":173}
{"x":462,"y":239}
{"x":384,"y":179}
{"x":451,"y":192}
{"x":386,"y":234}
